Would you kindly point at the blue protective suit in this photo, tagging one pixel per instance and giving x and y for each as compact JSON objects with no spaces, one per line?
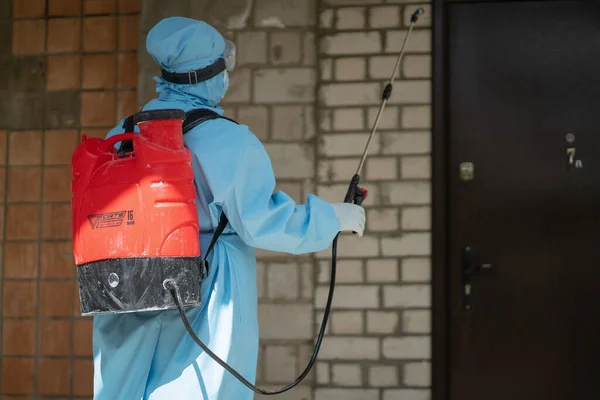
{"x":150,"y":355}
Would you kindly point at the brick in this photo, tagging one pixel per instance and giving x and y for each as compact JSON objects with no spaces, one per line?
{"x":251,"y":48}
{"x":406,"y":143}
{"x":348,"y":119}
{"x":381,"y":67}
{"x":424,"y":19}
{"x":383,"y":376}
{"x":307,"y":285}
{"x":301,"y":392}
{"x":353,"y":246}
{"x":288,"y":122}
{"x":407,"y":296}
{"x":348,"y":271}
{"x":415,"y":167}
{"x":284,"y":85}
{"x":411,"y":92}
{"x":409,"y":193}
{"x":280,"y":363}
{"x":346,"y":394}
{"x":350,"y":94}
{"x":347,"y":144}
{"x":294,"y":190}
{"x":349,"y":297}
{"x":324,"y":118}
{"x":416,"y":321}
{"x":347,"y":322}
{"x":285,"y":321}
{"x":388,"y":120}
{"x":382,"y":270}
{"x":261,"y":279}
{"x":309,"y":49}
{"x":382,"y":322}
{"x":282,"y":281}
{"x":291,"y":160}
{"x":350,"y":69}
{"x":239,"y":86}
{"x":384,"y":220}
{"x":323,"y":371}
{"x":406,"y":394}
{"x":416,"y":270}
{"x":409,"y":244}
{"x":351,"y":43}
{"x":419,"y":42}
{"x":284,"y":13}
{"x":406,"y":348}
{"x":309,"y":122}
{"x":349,"y":348}
{"x":257,"y":119}
{"x":350,"y":18}
{"x":285,"y":48}
{"x":416,"y":66}
{"x":326,"y":18}
{"x":416,"y":218}
{"x":384,"y":17}
{"x":346,"y":375}
{"x":352,"y":2}
{"x":334,"y":193}
{"x":417,"y":374}
{"x":336,"y":170}
{"x":326,"y":69}
{"x":381,"y":168}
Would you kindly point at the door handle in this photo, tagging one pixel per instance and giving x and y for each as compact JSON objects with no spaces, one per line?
{"x":469,"y":269}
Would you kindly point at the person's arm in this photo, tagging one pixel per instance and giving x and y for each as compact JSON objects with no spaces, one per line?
{"x":273,"y":221}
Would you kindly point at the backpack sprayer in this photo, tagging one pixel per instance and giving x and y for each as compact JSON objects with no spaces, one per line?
{"x":120,"y":196}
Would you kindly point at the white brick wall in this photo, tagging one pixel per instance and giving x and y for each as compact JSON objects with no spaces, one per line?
{"x":378,"y":344}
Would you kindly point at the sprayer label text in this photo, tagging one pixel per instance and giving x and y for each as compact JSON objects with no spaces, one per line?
{"x":110,"y":219}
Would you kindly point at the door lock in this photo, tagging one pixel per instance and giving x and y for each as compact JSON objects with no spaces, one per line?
{"x":469,"y":269}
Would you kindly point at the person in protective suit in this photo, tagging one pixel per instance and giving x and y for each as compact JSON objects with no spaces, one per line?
{"x":150,"y":355}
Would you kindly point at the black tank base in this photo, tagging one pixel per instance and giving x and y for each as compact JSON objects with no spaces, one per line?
{"x":128,"y":285}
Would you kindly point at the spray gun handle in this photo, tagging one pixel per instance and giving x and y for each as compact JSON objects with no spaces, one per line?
{"x":355,"y":194}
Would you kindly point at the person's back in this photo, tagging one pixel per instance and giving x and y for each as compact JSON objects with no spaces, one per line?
{"x":150,"y":355}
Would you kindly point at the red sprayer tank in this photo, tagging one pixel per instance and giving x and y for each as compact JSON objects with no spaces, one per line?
{"x":135,"y":221}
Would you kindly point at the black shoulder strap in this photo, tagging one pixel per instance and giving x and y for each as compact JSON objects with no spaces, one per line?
{"x":128,"y":125}
{"x":195,"y":117}
{"x":223,"y":221}
{"x":126,"y":145}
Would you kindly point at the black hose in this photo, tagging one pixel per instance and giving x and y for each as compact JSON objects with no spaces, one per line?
{"x":172,"y":287}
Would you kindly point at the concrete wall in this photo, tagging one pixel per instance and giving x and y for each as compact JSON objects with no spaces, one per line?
{"x":308,"y":83}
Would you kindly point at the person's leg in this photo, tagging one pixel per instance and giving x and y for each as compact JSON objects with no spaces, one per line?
{"x":124,"y":346}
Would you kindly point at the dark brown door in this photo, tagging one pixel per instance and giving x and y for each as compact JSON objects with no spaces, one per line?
{"x":524,"y":87}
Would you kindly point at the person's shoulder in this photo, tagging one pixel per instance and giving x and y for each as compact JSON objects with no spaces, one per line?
{"x":233,"y":131}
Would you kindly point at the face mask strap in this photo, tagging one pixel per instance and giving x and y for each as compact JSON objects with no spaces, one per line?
{"x":196,"y":76}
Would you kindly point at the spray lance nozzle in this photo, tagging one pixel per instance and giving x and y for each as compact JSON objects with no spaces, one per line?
{"x":415,"y":16}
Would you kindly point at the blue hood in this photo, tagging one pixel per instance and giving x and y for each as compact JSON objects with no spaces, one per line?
{"x":180,"y":44}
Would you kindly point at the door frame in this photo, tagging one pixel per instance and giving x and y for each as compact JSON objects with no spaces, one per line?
{"x":440,"y":322}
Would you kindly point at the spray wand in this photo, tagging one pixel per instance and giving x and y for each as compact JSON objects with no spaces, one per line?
{"x":355,"y":195}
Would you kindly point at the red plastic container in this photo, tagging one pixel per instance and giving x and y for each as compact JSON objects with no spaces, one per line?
{"x":135,"y":221}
